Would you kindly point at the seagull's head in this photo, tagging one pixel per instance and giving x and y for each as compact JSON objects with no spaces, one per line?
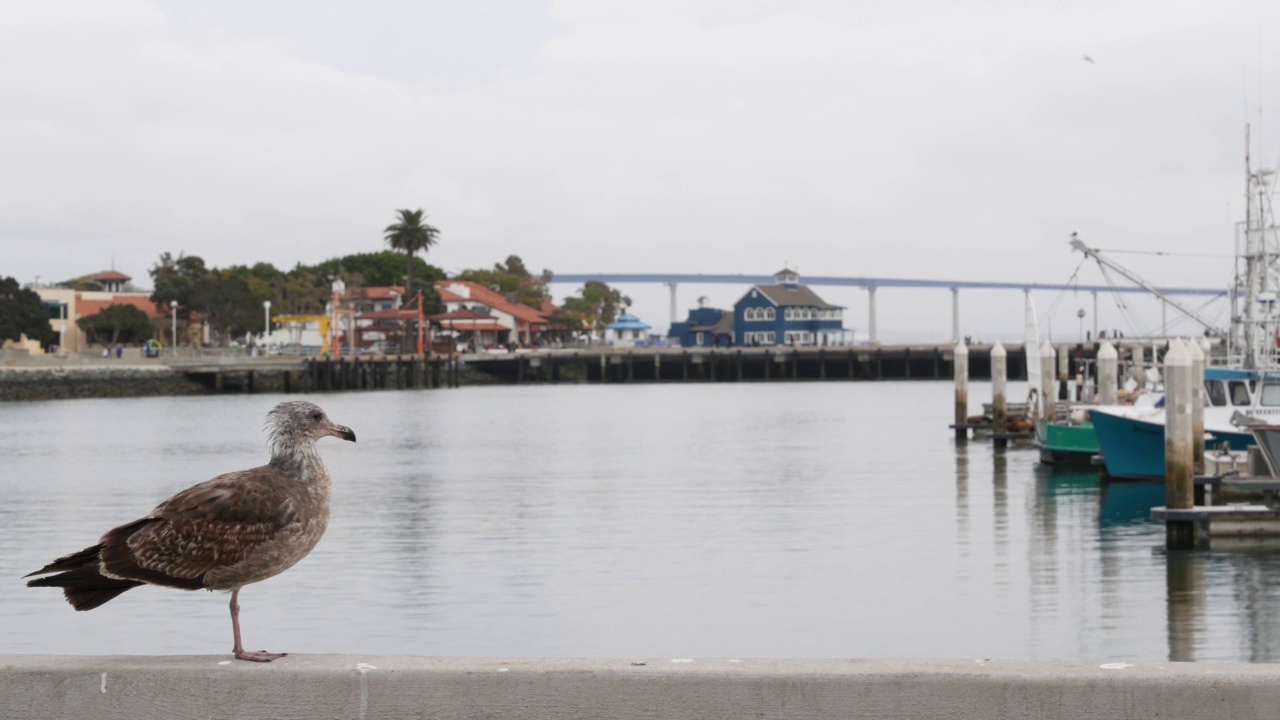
{"x":300,"y":421}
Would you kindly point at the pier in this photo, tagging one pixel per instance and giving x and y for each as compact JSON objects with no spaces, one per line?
{"x":638,"y":365}
{"x":51,"y":377}
{"x":356,"y":686}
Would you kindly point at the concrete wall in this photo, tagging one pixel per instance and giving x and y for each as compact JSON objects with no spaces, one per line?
{"x":353,"y":686}
{"x":45,"y":382}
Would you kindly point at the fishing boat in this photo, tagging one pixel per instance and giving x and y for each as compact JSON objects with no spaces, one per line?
{"x":1131,"y":439}
{"x":1247,"y":387}
{"x":1066,"y":443}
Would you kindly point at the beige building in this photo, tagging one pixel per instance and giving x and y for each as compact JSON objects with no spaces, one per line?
{"x":71,"y":305}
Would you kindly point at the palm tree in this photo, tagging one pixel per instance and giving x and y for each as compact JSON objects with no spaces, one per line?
{"x":411,"y":236}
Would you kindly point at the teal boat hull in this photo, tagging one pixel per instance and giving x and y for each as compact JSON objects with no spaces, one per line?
{"x":1066,"y":444}
{"x":1133,"y":448}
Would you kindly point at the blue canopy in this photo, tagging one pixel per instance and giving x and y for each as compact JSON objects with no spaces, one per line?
{"x":627,"y":321}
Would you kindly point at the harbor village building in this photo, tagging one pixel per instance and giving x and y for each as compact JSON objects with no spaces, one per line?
{"x":66,"y":305}
{"x":788,"y":313}
{"x":490,"y":316}
{"x":627,"y":331}
{"x":784,"y":313}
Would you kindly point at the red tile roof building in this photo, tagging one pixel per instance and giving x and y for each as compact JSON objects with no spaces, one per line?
{"x":519,"y":322}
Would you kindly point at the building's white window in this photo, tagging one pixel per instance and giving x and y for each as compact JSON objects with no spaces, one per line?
{"x":749,"y":314}
{"x":788,"y":314}
{"x":697,"y":339}
{"x":769,"y":314}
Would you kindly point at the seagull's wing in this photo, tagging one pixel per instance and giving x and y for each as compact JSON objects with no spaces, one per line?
{"x":211,"y":525}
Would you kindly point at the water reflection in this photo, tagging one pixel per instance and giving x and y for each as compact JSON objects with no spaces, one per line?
{"x":788,"y":520}
{"x":962,"y":491}
{"x":1129,"y":503}
{"x":1000,"y":499}
{"x":1184,"y":592}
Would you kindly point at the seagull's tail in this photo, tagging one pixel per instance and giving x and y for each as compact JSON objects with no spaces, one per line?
{"x":82,"y":584}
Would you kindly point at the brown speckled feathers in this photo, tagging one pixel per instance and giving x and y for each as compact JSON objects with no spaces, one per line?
{"x":236,"y":529}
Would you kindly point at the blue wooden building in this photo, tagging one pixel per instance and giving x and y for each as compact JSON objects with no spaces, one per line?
{"x":788,"y":313}
{"x":705,"y":327}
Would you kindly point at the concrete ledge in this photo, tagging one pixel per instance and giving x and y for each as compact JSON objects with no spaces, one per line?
{"x":352,"y":686}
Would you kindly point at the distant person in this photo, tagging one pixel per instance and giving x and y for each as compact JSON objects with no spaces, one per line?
{"x":119,"y":351}
{"x":106,"y":351}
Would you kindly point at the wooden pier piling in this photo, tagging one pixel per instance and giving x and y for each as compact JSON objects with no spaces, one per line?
{"x":1048,"y":405}
{"x":1197,"y":405}
{"x":1179,"y":476}
{"x":1108,"y":366}
{"x":961,"y":367}
{"x":999,"y":387}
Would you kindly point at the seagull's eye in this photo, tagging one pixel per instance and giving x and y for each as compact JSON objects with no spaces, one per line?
{"x":316,"y":416}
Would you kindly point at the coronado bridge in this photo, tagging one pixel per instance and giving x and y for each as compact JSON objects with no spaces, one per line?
{"x":871,"y":284}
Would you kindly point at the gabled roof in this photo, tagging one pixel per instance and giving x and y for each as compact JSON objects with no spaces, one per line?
{"x":111,"y":276}
{"x":723,"y":326}
{"x":468,"y":320}
{"x":463,"y":314}
{"x":393,"y":314}
{"x":84,"y":308}
{"x":483,"y":295}
{"x":390,"y":292}
{"x":799,"y":296}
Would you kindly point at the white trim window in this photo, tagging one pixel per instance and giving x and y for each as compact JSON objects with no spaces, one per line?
{"x":769,"y":314}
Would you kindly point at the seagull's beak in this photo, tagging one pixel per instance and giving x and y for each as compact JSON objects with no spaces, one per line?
{"x":341,"y":431}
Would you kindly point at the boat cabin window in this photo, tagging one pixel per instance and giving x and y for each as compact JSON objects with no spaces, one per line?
{"x":1215,"y":393}
{"x":1270,"y":394}
{"x":1239,"y":392}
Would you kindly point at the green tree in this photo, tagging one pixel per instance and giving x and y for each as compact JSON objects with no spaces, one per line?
{"x":512,"y":278}
{"x":117,"y":324}
{"x":595,"y":306}
{"x":84,"y":283}
{"x":410,"y":235}
{"x":379,"y":269}
{"x":174,"y":278}
{"x":23,"y":313}
{"x":230,"y":301}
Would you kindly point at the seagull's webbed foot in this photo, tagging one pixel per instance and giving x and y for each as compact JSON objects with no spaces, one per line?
{"x":238,"y":649}
{"x":257,"y":656}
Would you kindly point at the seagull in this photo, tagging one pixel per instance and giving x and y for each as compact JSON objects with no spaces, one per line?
{"x":238,"y":528}
{"x":1089,"y":60}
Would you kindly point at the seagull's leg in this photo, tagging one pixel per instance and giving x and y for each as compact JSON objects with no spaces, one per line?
{"x":239,"y":651}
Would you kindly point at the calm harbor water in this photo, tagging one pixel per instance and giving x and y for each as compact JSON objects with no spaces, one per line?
{"x":725,"y":520}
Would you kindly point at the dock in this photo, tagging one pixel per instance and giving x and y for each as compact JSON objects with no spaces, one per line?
{"x":598,"y":365}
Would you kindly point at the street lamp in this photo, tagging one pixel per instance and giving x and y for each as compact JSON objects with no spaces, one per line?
{"x":266,"y":324}
{"x":173,"y":315}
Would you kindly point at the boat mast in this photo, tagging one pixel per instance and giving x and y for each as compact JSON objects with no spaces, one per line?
{"x":1256,"y":246}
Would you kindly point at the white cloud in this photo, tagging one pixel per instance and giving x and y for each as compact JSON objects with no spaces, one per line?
{"x":954,"y":141}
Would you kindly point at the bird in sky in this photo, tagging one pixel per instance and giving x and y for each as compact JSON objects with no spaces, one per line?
{"x":1089,"y":60}
{"x":222,"y":534}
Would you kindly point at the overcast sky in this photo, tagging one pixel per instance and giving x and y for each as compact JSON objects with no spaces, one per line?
{"x":939,"y":140}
